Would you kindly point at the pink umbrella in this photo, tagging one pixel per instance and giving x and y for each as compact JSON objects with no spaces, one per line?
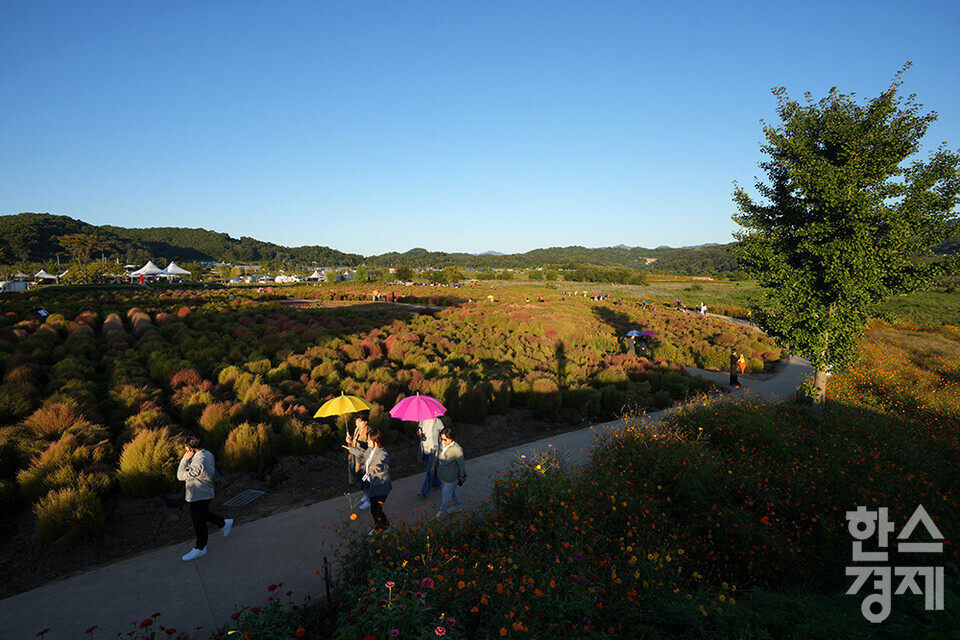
{"x":418,"y":407}
{"x":648,"y":332}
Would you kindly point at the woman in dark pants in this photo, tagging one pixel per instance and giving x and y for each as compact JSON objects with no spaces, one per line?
{"x":376,"y":477}
{"x":196,"y":469}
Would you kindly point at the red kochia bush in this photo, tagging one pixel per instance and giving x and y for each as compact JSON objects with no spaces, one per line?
{"x":182,"y":378}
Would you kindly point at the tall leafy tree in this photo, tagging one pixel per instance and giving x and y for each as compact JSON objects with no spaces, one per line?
{"x":81,"y":247}
{"x":845,"y":220}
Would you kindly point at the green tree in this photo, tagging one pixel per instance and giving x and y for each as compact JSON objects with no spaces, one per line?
{"x":404,"y":273}
{"x":362,"y":273}
{"x":451,"y":274}
{"x":81,"y":246}
{"x":844,"y":220}
{"x":195,"y":269}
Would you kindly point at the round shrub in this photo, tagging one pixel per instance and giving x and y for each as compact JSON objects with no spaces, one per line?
{"x":216,"y":422}
{"x":148,"y":419}
{"x":15,"y":402}
{"x":182,"y":378}
{"x":249,"y":448}
{"x":302,"y":438}
{"x":499,"y":392}
{"x":54,"y":420}
{"x":381,"y":419}
{"x":613,"y":399}
{"x":544,"y":396}
{"x":63,"y":464}
{"x":69,"y":515}
{"x":472,"y":406}
{"x":148,"y":464}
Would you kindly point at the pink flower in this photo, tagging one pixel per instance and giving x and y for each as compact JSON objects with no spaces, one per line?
{"x":389,"y":585}
{"x":440,"y":631}
{"x":427,"y":582}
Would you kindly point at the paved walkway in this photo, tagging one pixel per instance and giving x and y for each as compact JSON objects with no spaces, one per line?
{"x":289,"y":547}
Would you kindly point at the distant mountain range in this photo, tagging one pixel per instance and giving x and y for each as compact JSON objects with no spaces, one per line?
{"x":31,"y":237}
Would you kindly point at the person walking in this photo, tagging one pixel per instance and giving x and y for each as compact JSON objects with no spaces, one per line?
{"x":734,"y":367}
{"x":429,"y":432}
{"x":197,"y":467}
{"x":357,"y":440}
{"x":376,"y":477}
{"x":452,"y":471}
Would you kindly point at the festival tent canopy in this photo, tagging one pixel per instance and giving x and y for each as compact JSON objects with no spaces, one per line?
{"x":148,"y":269}
{"x":316,"y":275}
{"x":42,"y":274}
{"x":173,"y":270}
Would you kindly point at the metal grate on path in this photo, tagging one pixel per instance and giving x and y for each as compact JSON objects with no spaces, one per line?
{"x":244,"y":498}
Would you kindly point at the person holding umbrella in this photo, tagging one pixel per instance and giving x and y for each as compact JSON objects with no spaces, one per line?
{"x":425,"y":411}
{"x":734,"y":367}
{"x":357,"y":442}
{"x":429,"y":432}
{"x":376,"y":477}
{"x":452,"y":471}
{"x":343,"y":405}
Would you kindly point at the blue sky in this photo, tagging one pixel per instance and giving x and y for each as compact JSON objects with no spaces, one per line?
{"x":371,"y":125}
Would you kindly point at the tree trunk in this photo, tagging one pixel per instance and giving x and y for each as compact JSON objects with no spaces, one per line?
{"x":820,"y":401}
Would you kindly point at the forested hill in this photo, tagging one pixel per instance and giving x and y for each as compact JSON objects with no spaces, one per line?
{"x":693,"y":260}
{"x":32,"y":237}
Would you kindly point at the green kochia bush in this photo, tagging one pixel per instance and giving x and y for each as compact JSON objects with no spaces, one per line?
{"x":302,"y":438}
{"x":216,"y":422}
{"x":148,"y":463}
{"x":68,"y":515}
{"x":249,"y":448}
{"x":544,"y":396}
{"x":66,"y":463}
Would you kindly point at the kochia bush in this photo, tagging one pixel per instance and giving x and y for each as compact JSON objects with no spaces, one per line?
{"x":148,"y":463}
{"x":249,"y":448}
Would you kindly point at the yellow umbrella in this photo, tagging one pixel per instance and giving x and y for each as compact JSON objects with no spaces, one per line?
{"x":340,"y":405}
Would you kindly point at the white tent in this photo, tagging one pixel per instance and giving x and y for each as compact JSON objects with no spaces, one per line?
{"x":316,"y":275}
{"x":148,"y":269}
{"x":173,"y":270}
{"x":43,"y":275}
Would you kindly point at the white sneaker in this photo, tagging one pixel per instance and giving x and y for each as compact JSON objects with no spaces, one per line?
{"x":227,"y":526}
{"x":454,"y":509}
{"x":193,"y":554}
{"x":364,"y":505}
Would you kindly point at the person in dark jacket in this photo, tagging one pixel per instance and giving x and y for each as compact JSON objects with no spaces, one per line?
{"x":376,"y":477}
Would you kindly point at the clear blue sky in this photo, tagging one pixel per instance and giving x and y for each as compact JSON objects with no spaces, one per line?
{"x":371,"y":125}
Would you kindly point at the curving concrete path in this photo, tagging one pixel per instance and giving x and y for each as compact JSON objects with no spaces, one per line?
{"x":289,"y":547}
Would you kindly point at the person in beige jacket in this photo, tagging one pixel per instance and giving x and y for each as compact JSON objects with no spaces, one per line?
{"x":452,"y":471}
